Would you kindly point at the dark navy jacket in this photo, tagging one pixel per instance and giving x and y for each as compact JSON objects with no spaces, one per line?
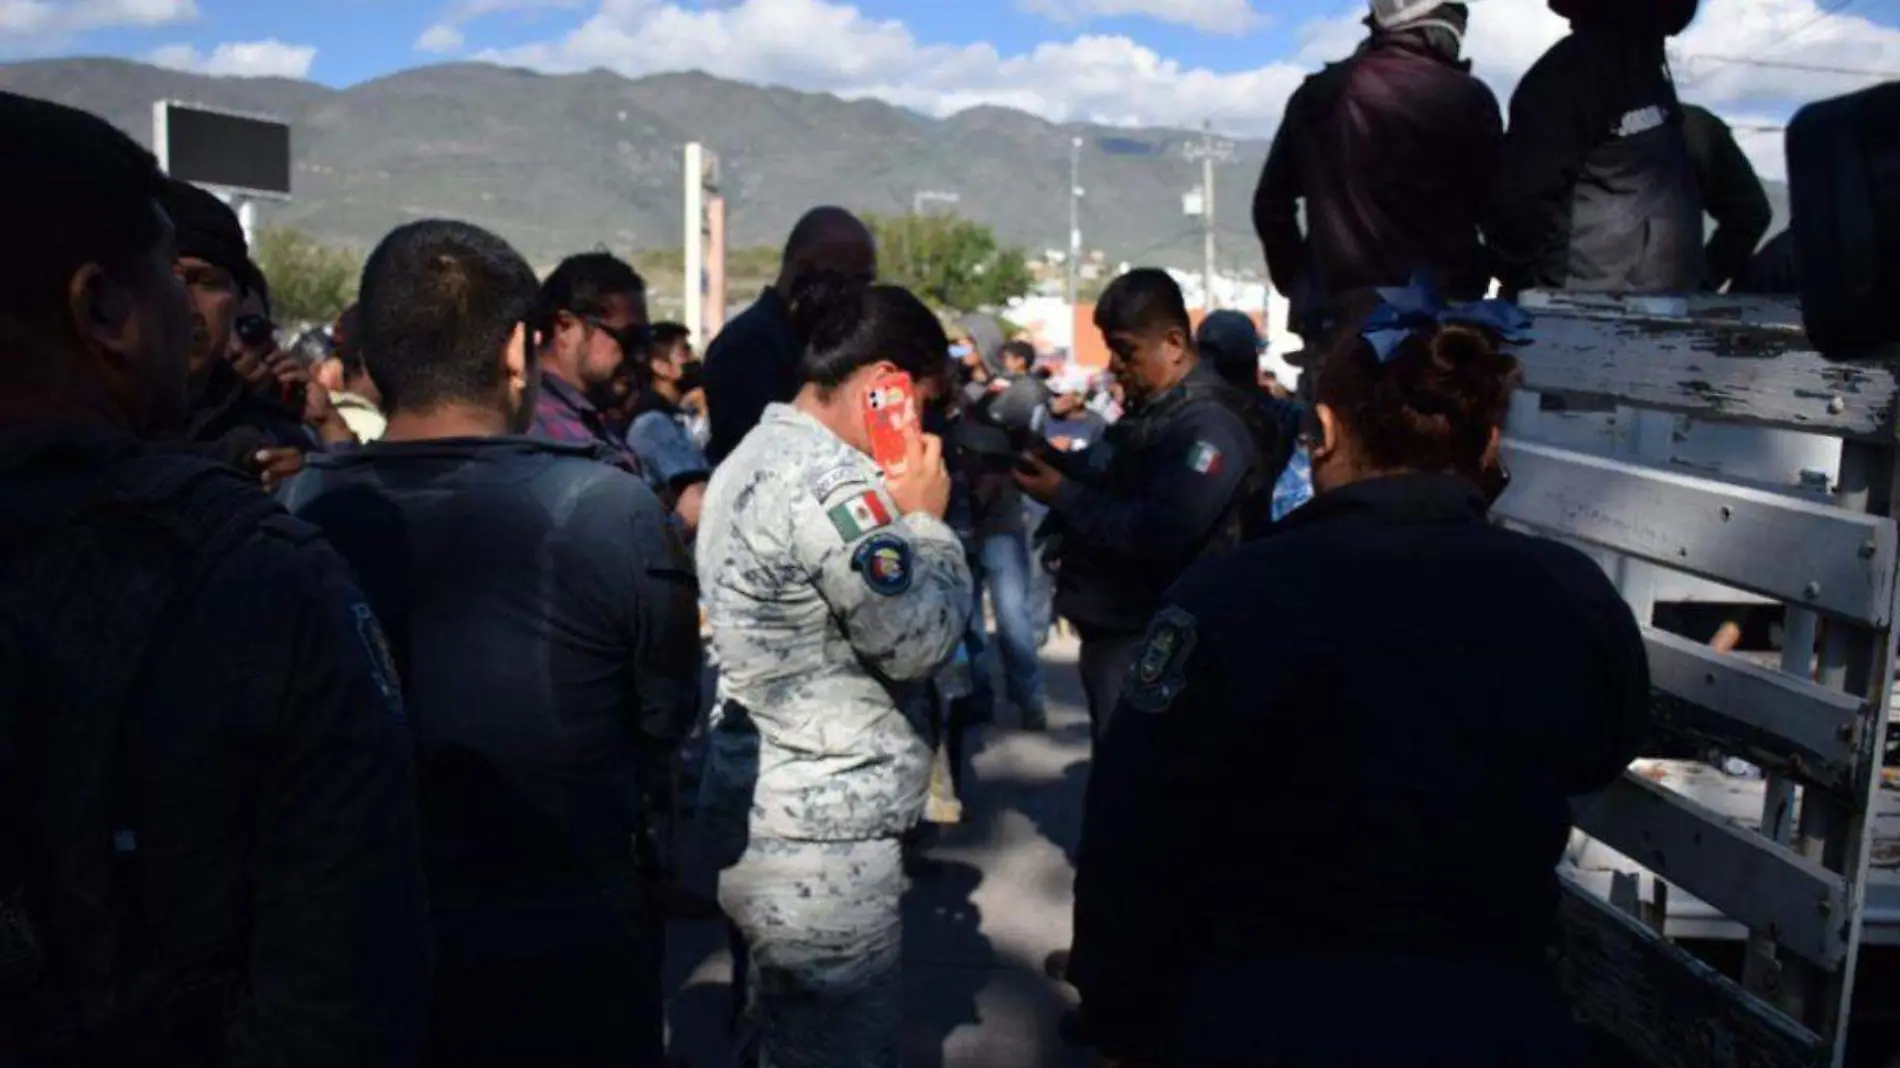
{"x":545,"y":624}
{"x":269,"y":782}
{"x":1341,"y":766}
{"x":751,"y":364}
{"x":1166,"y":486}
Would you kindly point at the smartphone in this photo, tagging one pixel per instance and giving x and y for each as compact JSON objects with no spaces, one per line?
{"x":257,"y":332}
{"x":890,"y":413}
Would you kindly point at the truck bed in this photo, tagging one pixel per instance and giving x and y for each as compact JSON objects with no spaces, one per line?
{"x":1740,"y":799}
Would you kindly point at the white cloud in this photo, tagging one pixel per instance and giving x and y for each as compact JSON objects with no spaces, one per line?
{"x":441,"y":38}
{"x":830,"y":46}
{"x":29,"y":19}
{"x":240,"y":59}
{"x":1213,"y":16}
{"x":445,"y":35}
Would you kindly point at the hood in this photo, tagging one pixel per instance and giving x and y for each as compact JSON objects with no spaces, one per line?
{"x":987,"y":332}
{"x":1667,"y":17}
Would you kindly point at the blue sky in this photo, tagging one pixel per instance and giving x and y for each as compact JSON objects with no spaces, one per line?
{"x":1175,"y":62}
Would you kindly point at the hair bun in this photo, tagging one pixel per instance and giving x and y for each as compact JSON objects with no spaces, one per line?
{"x":827,"y":307}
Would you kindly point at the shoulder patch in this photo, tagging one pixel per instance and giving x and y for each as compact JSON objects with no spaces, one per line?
{"x":382,"y":662}
{"x":1205,"y":458}
{"x":1158,"y":674}
{"x":836,"y":479}
{"x":859,"y":514}
{"x":884,"y":562}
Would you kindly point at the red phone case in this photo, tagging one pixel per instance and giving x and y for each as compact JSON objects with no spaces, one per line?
{"x":891,"y":416}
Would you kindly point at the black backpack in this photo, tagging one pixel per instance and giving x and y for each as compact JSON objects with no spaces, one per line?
{"x":87,"y":586}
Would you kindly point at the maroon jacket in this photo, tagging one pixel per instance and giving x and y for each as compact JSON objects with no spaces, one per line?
{"x":1393,"y":152}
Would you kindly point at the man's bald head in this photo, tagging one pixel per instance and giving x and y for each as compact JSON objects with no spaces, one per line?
{"x":828,"y":239}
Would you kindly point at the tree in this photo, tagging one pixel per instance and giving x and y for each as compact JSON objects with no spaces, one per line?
{"x":953,"y":263}
{"x":309,"y":282}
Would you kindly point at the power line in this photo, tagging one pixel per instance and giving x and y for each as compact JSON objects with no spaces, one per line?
{"x":1839,"y":8}
{"x":1812,"y":68}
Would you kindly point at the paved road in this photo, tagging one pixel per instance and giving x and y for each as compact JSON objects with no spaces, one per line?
{"x":977,"y":926}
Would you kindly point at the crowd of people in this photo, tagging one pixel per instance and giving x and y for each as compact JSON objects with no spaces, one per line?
{"x":343,"y":685}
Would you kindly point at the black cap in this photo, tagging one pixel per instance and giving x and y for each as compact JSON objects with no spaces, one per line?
{"x":208,"y":229}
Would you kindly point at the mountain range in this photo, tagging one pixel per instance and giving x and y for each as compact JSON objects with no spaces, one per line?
{"x":562,"y":163}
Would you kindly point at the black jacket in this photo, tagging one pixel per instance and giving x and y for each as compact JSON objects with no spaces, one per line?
{"x":1596,"y":190}
{"x":231,"y":422}
{"x":1340,"y":773}
{"x":1171,"y":483}
{"x":752,"y":363}
{"x":269,"y":794}
{"x":1731,"y":195}
{"x":1392,"y":151}
{"x":540,"y":690}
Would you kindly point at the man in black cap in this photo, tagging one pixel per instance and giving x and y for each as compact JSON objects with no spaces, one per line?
{"x":230,"y":422}
{"x":207,"y":806}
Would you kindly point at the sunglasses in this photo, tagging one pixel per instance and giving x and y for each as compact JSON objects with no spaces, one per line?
{"x":633,"y":340}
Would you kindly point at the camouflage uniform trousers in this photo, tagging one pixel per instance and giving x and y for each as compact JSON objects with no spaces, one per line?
{"x":823,"y":925}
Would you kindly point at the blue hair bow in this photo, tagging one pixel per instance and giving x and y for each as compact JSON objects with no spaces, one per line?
{"x":1410,"y":309}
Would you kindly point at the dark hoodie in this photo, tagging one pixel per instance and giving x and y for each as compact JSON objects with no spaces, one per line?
{"x":1391,"y":151}
{"x":1596,"y":190}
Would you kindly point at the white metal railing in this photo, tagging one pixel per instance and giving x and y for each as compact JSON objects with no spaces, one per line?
{"x":1622,"y":488}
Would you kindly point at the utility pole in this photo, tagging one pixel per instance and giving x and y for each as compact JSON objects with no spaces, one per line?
{"x":1075,"y":221}
{"x":1209,"y":152}
{"x":705,"y":257}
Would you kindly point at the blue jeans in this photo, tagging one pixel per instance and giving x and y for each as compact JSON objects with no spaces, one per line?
{"x":1002,"y":565}
{"x":1042,"y":584}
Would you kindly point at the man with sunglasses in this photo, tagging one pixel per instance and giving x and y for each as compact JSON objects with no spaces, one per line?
{"x":592,"y":315}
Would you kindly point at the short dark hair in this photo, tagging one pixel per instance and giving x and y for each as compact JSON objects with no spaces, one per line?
{"x":663,"y":336}
{"x":582,"y":285}
{"x":439,"y":301}
{"x":1144,"y":299}
{"x":1431,"y":407}
{"x":74,"y":191}
{"x":1022,"y":350}
{"x":847,"y":324}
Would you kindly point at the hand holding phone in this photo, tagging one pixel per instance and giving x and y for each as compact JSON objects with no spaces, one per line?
{"x":890,"y":414}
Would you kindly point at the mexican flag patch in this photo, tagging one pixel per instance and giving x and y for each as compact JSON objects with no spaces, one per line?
{"x":1204,"y":459}
{"x":860,"y":515}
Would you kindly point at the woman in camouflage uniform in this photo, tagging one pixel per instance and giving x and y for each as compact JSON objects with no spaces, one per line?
{"x":835,"y":591}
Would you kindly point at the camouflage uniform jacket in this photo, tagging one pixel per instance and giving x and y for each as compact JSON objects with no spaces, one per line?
{"x":829,"y":611}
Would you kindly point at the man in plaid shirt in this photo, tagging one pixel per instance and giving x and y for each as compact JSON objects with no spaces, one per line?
{"x":593,"y":316}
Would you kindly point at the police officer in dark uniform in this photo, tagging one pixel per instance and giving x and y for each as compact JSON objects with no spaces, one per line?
{"x":1168,"y":486}
{"x":1427,"y":689}
{"x":207,"y":808}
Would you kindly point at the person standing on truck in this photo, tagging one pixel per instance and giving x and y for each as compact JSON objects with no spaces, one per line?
{"x":1429,"y":689}
{"x":1383,"y":148}
{"x":1596,"y":190}
{"x":835,"y":592}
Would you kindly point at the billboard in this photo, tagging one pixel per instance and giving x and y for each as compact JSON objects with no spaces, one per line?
{"x":242,"y":154}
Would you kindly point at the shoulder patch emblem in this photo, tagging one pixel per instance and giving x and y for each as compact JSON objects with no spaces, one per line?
{"x":883,"y":561}
{"x":836,"y":479}
{"x":859,"y":515}
{"x":1204,"y":459}
{"x":382,"y":662}
{"x":1159,"y":672}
